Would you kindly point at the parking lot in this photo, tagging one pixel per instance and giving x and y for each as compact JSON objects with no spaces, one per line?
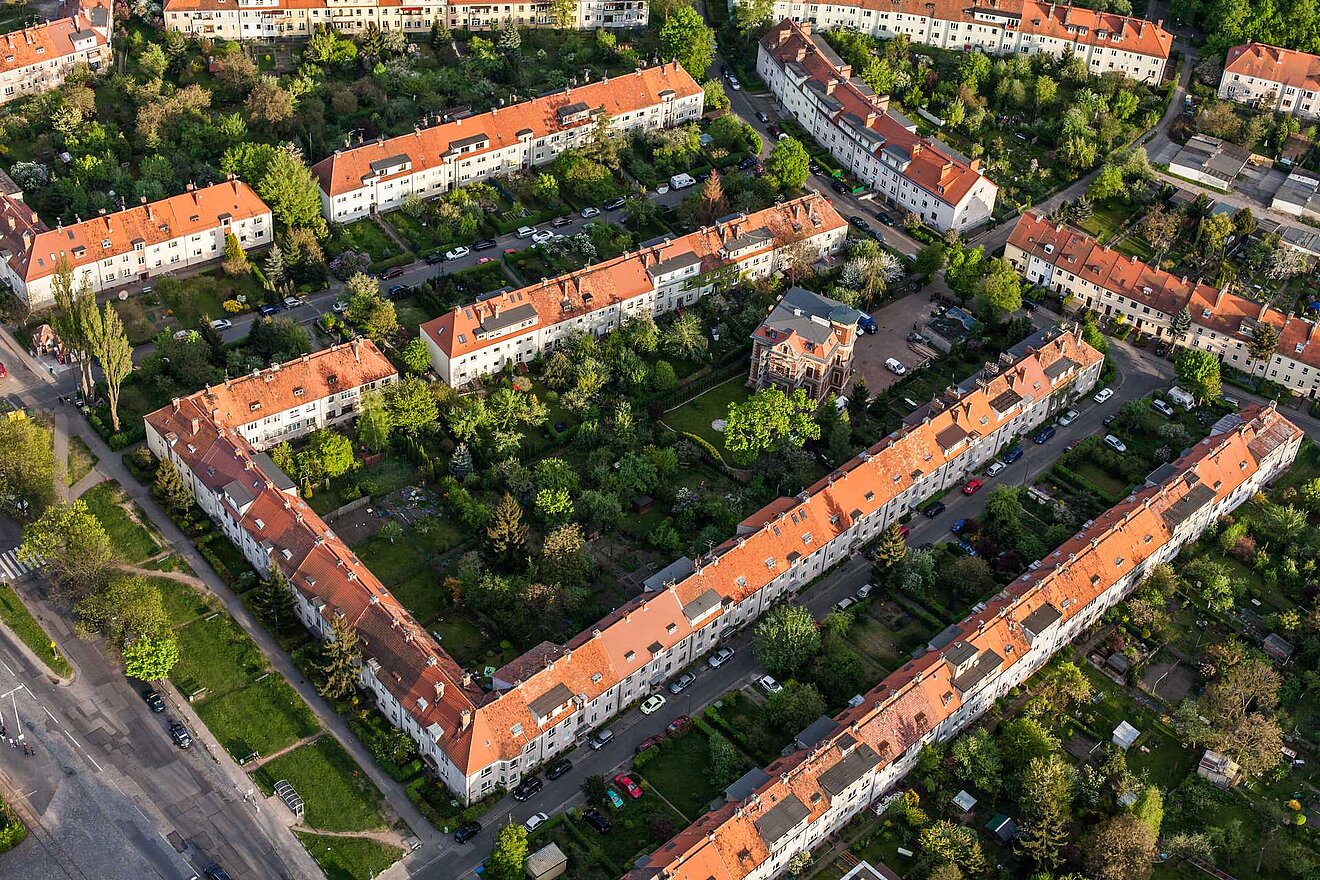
{"x":893,"y":324}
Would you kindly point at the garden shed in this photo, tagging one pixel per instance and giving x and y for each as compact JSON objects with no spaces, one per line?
{"x":1125,"y":735}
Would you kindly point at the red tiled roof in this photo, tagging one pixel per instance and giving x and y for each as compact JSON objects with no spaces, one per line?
{"x":428,"y":147}
{"x":1284,"y":66}
{"x":923,"y":694}
{"x":47,"y":41}
{"x":934,"y":166}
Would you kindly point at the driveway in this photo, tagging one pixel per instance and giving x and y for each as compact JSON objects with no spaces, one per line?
{"x":893,"y":324}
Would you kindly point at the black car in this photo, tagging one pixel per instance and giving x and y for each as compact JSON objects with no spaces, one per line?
{"x":613,"y":204}
{"x":464,"y":833}
{"x":884,"y":217}
{"x":558,"y":768}
{"x":397,"y":289}
{"x":841,"y":188}
{"x":215,"y":872}
{"x":934,"y":510}
{"x":182,"y":738}
{"x":596,"y":820}
{"x":267,"y":311}
{"x":560,"y":427}
{"x":436,"y":257}
{"x":1162,"y":350}
{"x":760,"y":115}
{"x":860,"y":223}
{"x":528,"y":787}
{"x":747,"y":164}
{"x":1028,"y":306}
{"x":485,"y":244}
{"x":153,"y":698}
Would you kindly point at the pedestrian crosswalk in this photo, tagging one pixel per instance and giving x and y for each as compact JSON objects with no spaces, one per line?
{"x":11,"y":569}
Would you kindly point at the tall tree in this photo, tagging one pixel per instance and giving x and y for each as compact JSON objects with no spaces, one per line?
{"x":890,"y":550}
{"x":123,"y":611}
{"x":107,"y":341}
{"x":767,"y":418}
{"x":788,"y":164}
{"x":151,"y":658}
{"x":686,"y":337}
{"x":509,"y":854}
{"x":713,"y":203}
{"x":507,"y":533}
{"x":236,"y":259}
{"x":1263,"y":344}
{"x":1046,"y":789}
{"x":1181,"y":323}
{"x":685,"y":38}
{"x":273,"y":601}
{"x":170,"y":489}
{"x":75,"y":303}
{"x":412,"y":406}
{"x":1120,"y":848}
{"x":785,"y":638}
{"x":27,"y":468}
{"x":374,"y":422}
{"x":75,"y":549}
{"x":294,"y":196}
{"x":1199,"y":371}
{"x":339,"y":661}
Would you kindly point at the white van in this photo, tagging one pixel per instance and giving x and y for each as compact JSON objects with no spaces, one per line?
{"x":1182,"y":398}
{"x":682,"y":181}
{"x":896,"y":367}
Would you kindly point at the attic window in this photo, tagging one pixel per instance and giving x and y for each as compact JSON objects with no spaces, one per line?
{"x":287,"y":553}
{"x":629,"y":656}
{"x":1049,"y":248}
{"x":261,"y":524}
{"x":806,"y":539}
{"x":595,"y":677}
{"x":1205,"y":313}
{"x":299,"y":391}
{"x":1095,"y":580}
{"x":742,"y":581}
{"x":834,"y":520}
{"x":1298,"y":348}
{"x":1148,"y":539}
{"x":516,"y":730}
{"x":1118,"y":563}
{"x":870,"y":496}
{"x":770,"y":563}
{"x":254,"y":406}
{"x":105,"y":242}
{"x":672,"y":628}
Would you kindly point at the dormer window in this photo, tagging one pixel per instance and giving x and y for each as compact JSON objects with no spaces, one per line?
{"x":299,"y":392}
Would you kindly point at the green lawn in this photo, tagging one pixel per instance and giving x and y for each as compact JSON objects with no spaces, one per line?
{"x":365,"y":236}
{"x":678,"y":771}
{"x":464,"y":641}
{"x":201,"y":297}
{"x":264,"y":717}
{"x":215,"y":655}
{"x":1100,"y":478}
{"x":123,"y":521}
{"x":631,"y":835}
{"x":695,"y":416}
{"x":349,"y":858}
{"x":1157,"y":752}
{"x":183,"y":602}
{"x":424,"y":238}
{"x":21,"y":622}
{"x":405,"y":567}
{"x":378,"y":480}
{"x":80,"y":462}
{"x":337,"y":795}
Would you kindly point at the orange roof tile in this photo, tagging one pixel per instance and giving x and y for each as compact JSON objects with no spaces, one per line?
{"x":1284,"y":66}
{"x":49,"y":40}
{"x":344,"y":171}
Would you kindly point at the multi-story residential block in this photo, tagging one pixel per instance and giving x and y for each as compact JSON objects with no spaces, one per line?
{"x":432,"y":161}
{"x":40,"y":57}
{"x":544,"y":702}
{"x":1273,"y":79}
{"x":810,"y":794}
{"x":1108,"y":42}
{"x":514,"y":326}
{"x":805,"y":342}
{"x":296,"y":19}
{"x":878,"y":145}
{"x":134,"y":244}
{"x":1067,"y":261}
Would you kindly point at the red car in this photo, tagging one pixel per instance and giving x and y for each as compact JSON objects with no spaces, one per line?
{"x":682,"y":722}
{"x":972,"y":487}
{"x":392,"y":273}
{"x":625,"y":782}
{"x":3,"y":372}
{"x":649,"y":743}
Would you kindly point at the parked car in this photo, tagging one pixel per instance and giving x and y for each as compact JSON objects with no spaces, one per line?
{"x":1115,"y":444}
{"x":596,"y":819}
{"x":1104,"y":394}
{"x":180,"y":734}
{"x":653,"y":703}
{"x":996,"y":468}
{"x":434,"y":257}
{"x":860,"y":223}
{"x":391,"y":273}
{"x":762,"y":118}
{"x":1162,"y":407}
{"x":589,"y":212}
{"x":958,"y":526}
{"x":614,"y":204}
{"x":220,"y":324}
{"x":558,"y":767}
{"x":1068,"y":418}
{"x":734,"y":84}
{"x":1044,"y":434}
{"x":679,"y":724}
{"x":528,"y":787}
{"x":397,"y":290}
{"x":1013,"y":455}
{"x":543,"y":236}
{"x":841,"y":188}
{"x":972,"y":487}
{"x":649,"y":743}
{"x":866,"y":323}
{"x":267,"y":310}
{"x":747,"y":164}
{"x":215,"y":872}
{"x":615,"y":799}
{"x":680,"y":684}
{"x":535,"y":821}
{"x":865,"y":590}
{"x":845,"y":603}
{"x":769,"y":685}
{"x":292,"y":302}
{"x":4,"y":373}
{"x":895,"y":366}
{"x":934,"y":510}
{"x":456,"y":253}
{"x":154,"y":700}
{"x":485,"y":244}
{"x":560,"y":222}
{"x":1109,"y":419}
{"x":339,"y":306}
{"x":601,"y":738}
{"x":625,"y":782}
{"x":525,"y":231}
{"x":466,"y":832}
{"x":720,"y":657}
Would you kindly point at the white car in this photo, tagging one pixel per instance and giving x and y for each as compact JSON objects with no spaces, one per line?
{"x":1115,"y":444}
{"x":662,"y":189}
{"x":1103,"y":395}
{"x":183,"y":334}
{"x":720,"y":657}
{"x":457,"y":253}
{"x":863,"y":591}
{"x":588,"y":213}
{"x":543,"y":236}
{"x":526,"y":231}
{"x":535,"y":821}
{"x":221,"y":324}
{"x":996,"y":468}
{"x":339,"y":306}
{"x":1162,"y":408}
{"x":292,"y":302}
{"x":734,"y":84}
{"x":653,"y":704}
{"x":769,"y":685}
{"x":1068,"y":418}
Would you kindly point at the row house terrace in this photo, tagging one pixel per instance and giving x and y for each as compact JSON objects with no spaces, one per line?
{"x":130,"y":245}
{"x":39,"y":58}
{"x":515,"y":326}
{"x":549,"y":699}
{"x":590,"y":14}
{"x":880,"y":146}
{"x":432,"y":161}
{"x":1108,"y":42}
{"x":1067,"y":261}
{"x":1271,"y":78}
{"x":814,"y":792}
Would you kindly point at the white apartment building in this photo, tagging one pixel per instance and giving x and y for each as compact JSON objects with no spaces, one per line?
{"x":432,"y":161}
{"x":931,"y":698}
{"x":296,"y":19}
{"x":1109,"y":43}
{"x":478,"y":339}
{"x":1067,"y":261}
{"x":1273,"y":79}
{"x":39,"y":58}
{"x":878,"y":145}
{"x":128,"y":246}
